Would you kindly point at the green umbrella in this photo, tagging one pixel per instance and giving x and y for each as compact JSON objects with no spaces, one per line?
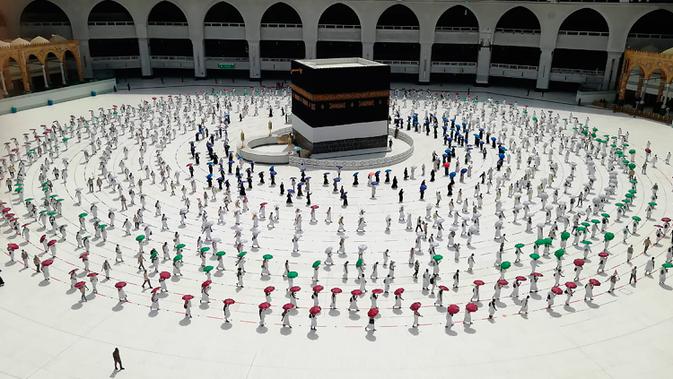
{"x":208,"y":269}
{"x":581,"y":229}
{"x":204,"y":249}
{"x":633,"y":181}
{"x":82,"y":215}
{"x":18,"y":189}
{"x":540,"y":241}
{"x":53,"y":196}
{"x":220,"y":253}
{"x":242,"y":254}
{"x":535,"y":256}
{"x":608,"y":236}
{"x":153,"y":253}
{"x":266,"y":257}
{"x":586,"y":242}
{"x":177,"y":257}
{"x":652,"y":204}
{"x":292,"y":274}
{"x":585,"y":224}
{"x":636,"y":218}
{"x":605,"y":215}
{"x":667,"y":265}
{"x":619,"y":205}
{"x":632,"y":190}
{"x":632,"y":151}
{"x":316,"y":264}
{"x":505,"y":265}
{"x":437,"y":257}
{"x":59,"y":200}
{"x":629,"y":196}
{"x":140,"y":237}
{"x":519,"y":245}
{"x":180,"y":246}
{"x":359,"y":263}
{"x":632,"y":166}
{"x":52,"y":213}
{"x":559,"y":253}
{"x":547,"y":241}
{"x":595,"y":221}
{"x":565,"y":235}
{"x":102,"y":226}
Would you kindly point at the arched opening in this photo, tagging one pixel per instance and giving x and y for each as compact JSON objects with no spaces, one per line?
{"x":52,"y":68}
{"x":110,"y":12}
{"x":70,"y":68}
{"x":13,"y":81}
{"x":653,"y":93}
{"x":166,"y":13}
{"x":652,"y":30}
{"x":397,"y":40}
{"x":515,"y":52}
{"x":456,"y":47}
{"x":339,"y":33}
{"x":106,"y":14}
{"x":225,"y":42}
{"x":42,"y":17}
{"x":281,"y":39}
{"x":519,"y":20}
{"x":35,"y":74}
{"x":634,"y":86}
{"x":585,"y":20}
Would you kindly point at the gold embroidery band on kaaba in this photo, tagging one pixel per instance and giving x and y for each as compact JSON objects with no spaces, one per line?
{"x":339,"y":96}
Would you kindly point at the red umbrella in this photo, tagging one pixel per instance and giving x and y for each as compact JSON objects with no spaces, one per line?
{"x":557,"y":290}
{"x":164,"y":275}
{"x":443,"y":288}
{"x":43,"y":237}
{"x":9,"y":215}
{"x":415,"y":306}
{"x":446,"y":164}
{"x":156,"y":289}
{"x":537,"y":274}
{"x":373,"y":312}
{"x":189,"y":164}
{"x":206,"y":283}
{"x":12,"y":246}
{"x":666,"y":219}
{"x":79,"y":285}
{"x":315,"y":206}
{"x":269,"y":289}
{"x":264,"y":305}
{"x":478,"y":282}
{"x":336,"y":290}
{"x":47,"y":262}
{"x":571,"y":285}
{"x":92,"y":274}
{"x":5,"y":210}
{"x":84,"y":255}
{"x":295,"y":289}
{"x":120,"y":285}
{"x":229,"y":301}
{"x":579,"y":262}
{"x":314,"y":310}
{"x":263,"y":204}
{"x":377,"y":291}
{"x":503,"y":282}
{"x":471,"y":307}
{"x":594,"y":282}
{"x":187,"y":297}
{"x":74,"y":270}
{"x":453,"y":309}
{"x":603,"y":254}
{"x":521,"y":278}
{"x":356,"y":292}
{"x":318,"y":288}
{"x":288,"y":306}
{"x":51,"y":243}
{"x":399,"y":291}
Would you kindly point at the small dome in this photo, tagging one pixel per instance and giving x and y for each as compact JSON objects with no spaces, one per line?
{"x":19,"y":42}
{"x":39,"y":41}
{"x":668,"y":51}
{"x":4,"y":44}
{"x":57,"y":38}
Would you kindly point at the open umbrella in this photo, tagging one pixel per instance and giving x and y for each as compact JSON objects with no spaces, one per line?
{"x":336,"y":290}
{"x":266,"y":257}
{"x":359,"y":263}
{"x":603,"y":254}
{"x":187,"y":297}
{"x":314,"y":310}
{"x":556,"y":290}
{"x":373,"y":312}
{"x":578,"y":262}
{"x":505,"y":265}
{"x":91,"y":274}
{"x":534,"y":256}
{"x":437,"y":257}
{"x":377,"y":291}
{"x":521,"y":278}
{"x":140,"y":237}
{"x":220,"y":253}
{"x":164,"y":275}
{"x":295,"y":289}
{"x":471,"y":307}
{"x":229,"y":301}
{"x":443,"y":287}
{"x":156,"y":289}
{"x":51,"y":243}
{"x":12,"y":246}
{"x":120,"y":285}
{"x":478,"y":282}
{"x":204,"y":249}
{"x":565,"y":235}
{"x":415,"y":306}
{"x":292,"y":274}
{"x":208,"y":269}
{"x":536,"y":274}
{"x":594,"y":282}
{"x":264,"y":305}
{"x":288,"y":306}
{"x":571,"y":285}
{"x":317,"y":288}
{"x":180,"y":246}
{"x":608,"y":236}
{"x":399,"y":291}
{"x":453,"y":309}
{"x":667,"y":265}
{"x":177,"y":257}
{"x":82,"y":215}
{"x":315,"y":206}
{"x":559,"y":253}
{"x":207,"y":283}
{"x":503,"y":282}
{"x":47,"y":262}
{"x":356,"y":292}
{"x":316,"y":264}
{"x":666,"y":219}
{"x":519,"y":245}
{"x":242,"y":254}
{"x":79,"y":285}
{"x":636,"y":218}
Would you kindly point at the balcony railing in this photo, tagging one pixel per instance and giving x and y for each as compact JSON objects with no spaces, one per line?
{"x":650,"y":35}
{"x":227,"y":59}
{"x":517,"y":31}
{"x":464,"y":29}
{"x":110,"y":23}
{"x":397,"y":27}
{"x":277,"y":59}
{"x":280,"y":25}
{"x":167,"y":23}
{"x":398,"y":62}
{"x":225,"y":24}
{"x":337,"y":26}
{"x":583,"y":33}
{"x":45,"y":23}
{"x":456,"y":64}
{"x":115,"y":58}
{"x":172,"y":58}
{"x":508,"y":66}
{"x":577,"y":71}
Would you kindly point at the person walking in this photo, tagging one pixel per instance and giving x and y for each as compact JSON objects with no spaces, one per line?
{"x":117,"y":359}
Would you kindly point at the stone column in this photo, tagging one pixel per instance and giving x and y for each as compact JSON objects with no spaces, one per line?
{"x":199,"y":57}
{"x":611,"y":67}
{"x":4,"y":85}
{"x":483,"y":65}
{"x":310,"y":49}
{"x":254,"y":59}
{"x":425,"y":62}
{"x":145,"y":60}
{"x":544,"y":69}
{"x":368,"y":50}
{"x":86,"y":58}
{"x":63,"y":80}
{"x":44,"y":76}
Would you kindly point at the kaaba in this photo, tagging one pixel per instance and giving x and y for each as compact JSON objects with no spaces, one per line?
{"x":340,"y":105}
